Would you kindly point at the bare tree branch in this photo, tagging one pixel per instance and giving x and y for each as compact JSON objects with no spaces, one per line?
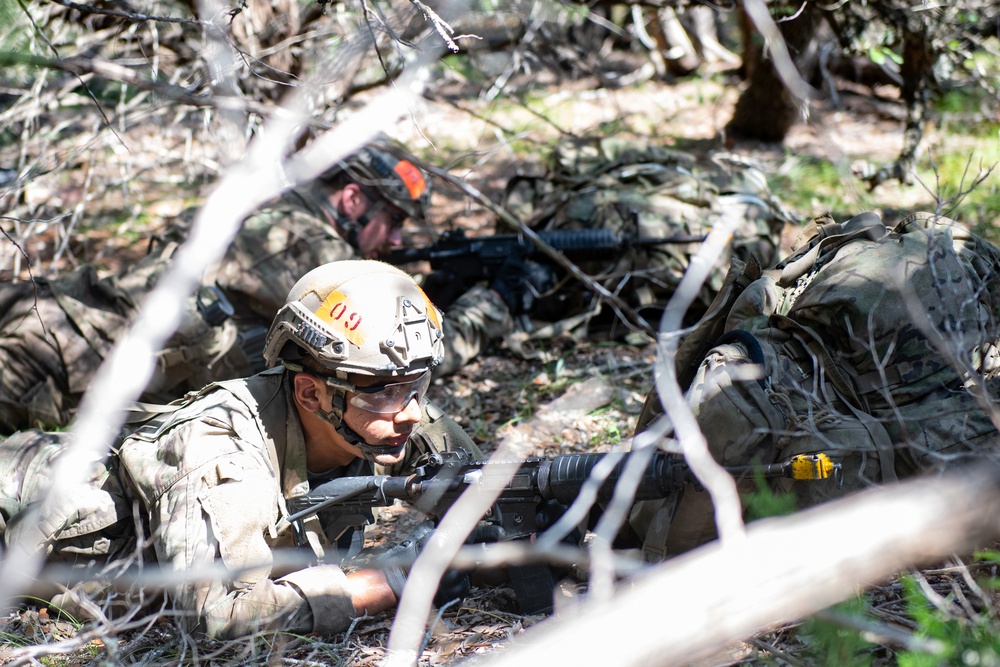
{"x":115,"y":72}
{"x":719,"y":483}
{"x":717,"y":594}
{"x":127,"y":16}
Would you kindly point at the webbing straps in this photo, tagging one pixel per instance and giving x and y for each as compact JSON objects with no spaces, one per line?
{"x":845,"y":389}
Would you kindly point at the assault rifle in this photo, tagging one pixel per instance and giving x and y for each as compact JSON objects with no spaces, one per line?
{"x":518,"y":511}
{"x":468,"y":260}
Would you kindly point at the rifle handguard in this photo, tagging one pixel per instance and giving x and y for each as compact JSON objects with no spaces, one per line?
{"x":562,"y":477}
{"x":469,"y":256}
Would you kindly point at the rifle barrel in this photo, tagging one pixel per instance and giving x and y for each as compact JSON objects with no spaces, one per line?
{"x":578,"y":243}
{"x":666,"y":240}
{"x":567,"y":473}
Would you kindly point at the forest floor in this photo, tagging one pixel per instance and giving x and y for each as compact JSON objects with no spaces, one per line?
{"x":500,"y":391}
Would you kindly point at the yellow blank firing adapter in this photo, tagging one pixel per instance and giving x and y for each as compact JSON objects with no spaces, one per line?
{"x":811,"y":466}
{"x":799,"y":467}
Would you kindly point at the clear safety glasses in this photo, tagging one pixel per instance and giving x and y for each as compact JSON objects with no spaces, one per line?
{"x":390,"y":398}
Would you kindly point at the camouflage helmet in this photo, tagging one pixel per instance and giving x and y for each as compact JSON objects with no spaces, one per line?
{"x":357,"y":317}
{"x":395,"y":179}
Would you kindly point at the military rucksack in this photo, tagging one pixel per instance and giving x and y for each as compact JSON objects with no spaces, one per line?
{"x":891,"y":331}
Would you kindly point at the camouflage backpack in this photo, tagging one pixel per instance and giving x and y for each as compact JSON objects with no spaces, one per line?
{"x":873,"y":341}
{"x":639,"y":189}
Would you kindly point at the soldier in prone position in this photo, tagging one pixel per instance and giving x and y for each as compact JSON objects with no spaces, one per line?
{"x":349,"y":357}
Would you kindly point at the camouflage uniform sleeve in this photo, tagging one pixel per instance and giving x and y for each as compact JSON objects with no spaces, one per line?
{"x":477,"y":319}
{"x":43,"y":359}
{"x":273,"y":249}
{"x":211,"y":496}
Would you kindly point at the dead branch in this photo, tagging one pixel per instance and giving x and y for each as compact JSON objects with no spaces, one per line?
{"x":785,"y":570}
{"x":114,"y":72}
{"x":125,"y":16}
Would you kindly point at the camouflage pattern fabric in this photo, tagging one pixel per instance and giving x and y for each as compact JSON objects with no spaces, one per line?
{"x":642,"y":190}
{"x":96,"y":529}
{"x":34,"y":364}
{"x":474,"y":321}
{"x":99,"y":522}
{"x":55,"y":334}
{"x":210,"y":478}
{"x":275,"y":247}
{"x":876,"y":346}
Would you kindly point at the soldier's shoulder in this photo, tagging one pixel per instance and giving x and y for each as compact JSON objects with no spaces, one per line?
{"x":219,"y":408}
{"x":438,"y":432}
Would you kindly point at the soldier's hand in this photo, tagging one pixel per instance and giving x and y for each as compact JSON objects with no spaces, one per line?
{"x":454,"y":583}
{"x":519,"y":282}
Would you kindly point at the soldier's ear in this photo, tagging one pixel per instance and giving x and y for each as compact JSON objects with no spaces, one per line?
{"x":308,"y":391}
{"x":353,"y":201}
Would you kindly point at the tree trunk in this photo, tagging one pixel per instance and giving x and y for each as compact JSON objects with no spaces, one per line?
{"x":766,"y":110}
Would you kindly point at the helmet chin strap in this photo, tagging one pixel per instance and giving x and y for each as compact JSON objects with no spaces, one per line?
{"x":350,"y":228}
{"x":335,"y":418}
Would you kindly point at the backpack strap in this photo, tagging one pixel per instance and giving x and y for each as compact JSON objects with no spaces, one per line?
{"x":826,"y":237}
{"x":139,"y":413}
{"x":846,"y":390}
{"x":884,"y":377}
{"x":710,"y":328}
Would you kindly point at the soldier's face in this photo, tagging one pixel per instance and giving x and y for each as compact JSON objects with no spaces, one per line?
{"x":385,"y":434}
{"x":382,"y":233}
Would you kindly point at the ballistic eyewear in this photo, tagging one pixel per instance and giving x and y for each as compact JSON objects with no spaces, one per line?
{"x":386,"y":398}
